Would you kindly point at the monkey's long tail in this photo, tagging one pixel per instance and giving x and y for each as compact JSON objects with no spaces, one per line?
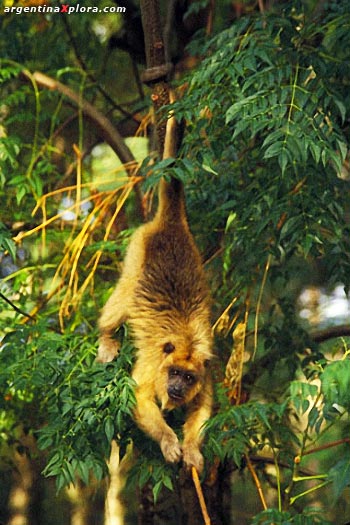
{"x":171,"y":206}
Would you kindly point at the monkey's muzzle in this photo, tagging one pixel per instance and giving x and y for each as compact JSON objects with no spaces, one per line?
{"x":176,"y":394}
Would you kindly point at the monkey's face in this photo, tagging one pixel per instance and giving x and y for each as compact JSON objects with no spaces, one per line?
{"x":180,"y":376}
{"x":182,"y":385}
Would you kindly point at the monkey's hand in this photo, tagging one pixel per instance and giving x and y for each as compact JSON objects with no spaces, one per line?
{"x":170,"y":447}
{"x":108,"y":349}
{"x":192,"y":457}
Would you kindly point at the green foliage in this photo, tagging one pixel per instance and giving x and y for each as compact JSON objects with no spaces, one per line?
{"x":81,"y":406}
{"x":272,"y":111}
{"x":275,"y":517}
{"x":6,"y":242}
{"x":339,"y":474}
{"x":248,"y":428}
{"x":336,"y":383}
{"x":150,"y":469}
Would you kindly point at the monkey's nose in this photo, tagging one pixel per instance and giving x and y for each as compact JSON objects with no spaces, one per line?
{"x":175,"y":392}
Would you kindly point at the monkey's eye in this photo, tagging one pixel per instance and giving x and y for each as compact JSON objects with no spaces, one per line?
{"x":168,"y":348}
{"x":189,"y":378}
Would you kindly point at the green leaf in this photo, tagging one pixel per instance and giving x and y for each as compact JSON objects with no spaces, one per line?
{"x":340,"y":476}
{"x":283,"y":158}
{"x":209,"y":169}
{"x":343,"y":149}
{"x":168,"y":482}
{"x":6,"y":243}
{"x":336,"y":383}
{"x":84,"y":471}
{"x":231,"y":218}
{"x":274,"y":150}
{"x":342,"y":108}
{"x":21,"y":192}
{"x":157,"y":490}
{"x":315,"y":151}
{"x":109,"y":428}
{"x":272,"y":517}
{"x":144,"y":477}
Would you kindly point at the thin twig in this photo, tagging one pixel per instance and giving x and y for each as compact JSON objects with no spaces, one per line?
{"x":15,"y":308}
{"x":309,"y":491}
{"x":258,"y":305}
{"x":327,"y":445}
{"x":200,"y":496}
{"x":257,"y":482}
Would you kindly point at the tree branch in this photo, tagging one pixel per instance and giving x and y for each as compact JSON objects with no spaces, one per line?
{"x":331,"y":333}
{"x":93,"y":79}
{"x":15,"y":308}
{"x":157,"y":67}
{"x":105,"y":128}
{"x":167,"y":32}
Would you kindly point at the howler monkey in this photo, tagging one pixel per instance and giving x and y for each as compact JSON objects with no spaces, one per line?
{"x":163,"y":295}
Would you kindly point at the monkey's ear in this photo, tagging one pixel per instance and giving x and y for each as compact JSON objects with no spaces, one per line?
{"x":206,"y":363}
{"x":168,"y":348}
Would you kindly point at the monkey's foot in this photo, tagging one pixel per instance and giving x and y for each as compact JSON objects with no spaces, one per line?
{"x":192,"y":457}
{"x":108,"y":349}
{"x":171,"y":448}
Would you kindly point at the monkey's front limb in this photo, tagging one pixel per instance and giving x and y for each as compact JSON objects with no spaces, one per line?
{"x":108,"y":349}
{"x":149,"y":418}
{"x":113,"y":314}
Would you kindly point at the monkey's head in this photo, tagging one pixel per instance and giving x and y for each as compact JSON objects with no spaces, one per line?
{"x":181,"y":376}
{"x":180,"y":384}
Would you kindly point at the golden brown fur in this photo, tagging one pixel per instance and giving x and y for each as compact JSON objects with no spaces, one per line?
{"x":163,"y":295}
